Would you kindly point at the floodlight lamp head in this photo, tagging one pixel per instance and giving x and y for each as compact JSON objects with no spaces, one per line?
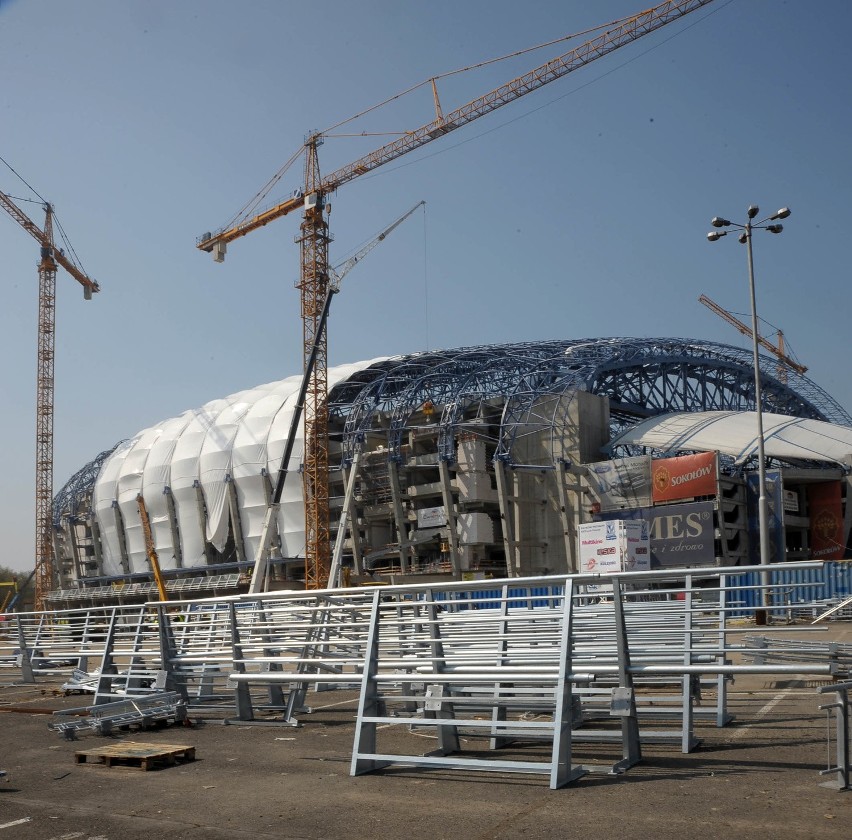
{"x":715,"y":235}
{"x":775,"y":228}
{"x":743,"y":238}
{"x":781,"y":214}
{"x":718,"y":221}
{"x":753,"y":210}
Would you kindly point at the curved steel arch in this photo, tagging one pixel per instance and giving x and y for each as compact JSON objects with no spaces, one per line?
{"x":641,"y":377}
{"x":79,"y":486}
{"x":644,"y":377}
{"x":455,"y":379}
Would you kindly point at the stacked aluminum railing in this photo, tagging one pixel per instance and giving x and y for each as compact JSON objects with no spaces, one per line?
{"x":513,"y":662}
{"x":764,"y":649}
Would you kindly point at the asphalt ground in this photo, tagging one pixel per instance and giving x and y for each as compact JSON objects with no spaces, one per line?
{"x":758,"y":777}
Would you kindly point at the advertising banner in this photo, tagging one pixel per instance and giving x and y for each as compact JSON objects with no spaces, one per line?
{"x":622,"y":484}
{"x":684,"y":477}
{"x":614,"y":545}
{"x":791,"y":501}
{"x":775,"y":504}
{"x":680,"y":535}
{"x":600,"y":550}
{"x":826,"y":532}
{"x":431,"y":517}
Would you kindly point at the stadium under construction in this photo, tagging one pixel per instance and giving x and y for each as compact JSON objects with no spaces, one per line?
{"x":468,"y":463}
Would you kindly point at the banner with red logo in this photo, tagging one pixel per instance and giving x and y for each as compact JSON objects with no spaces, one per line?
{"x":684,"y":477}
{"x":826,"y":515}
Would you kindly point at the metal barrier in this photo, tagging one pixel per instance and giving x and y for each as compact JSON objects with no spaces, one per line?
{"x":618,"y":661}
{"x":478,"y":672}
{"x":764,"y":649}
{"x":840,"y":710}
{"x":446,"y":672}
{"x":294,"y":643}
{"x":105,"y":718}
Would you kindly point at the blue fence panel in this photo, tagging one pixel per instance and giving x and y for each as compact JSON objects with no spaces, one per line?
{"x":791,"y":587}
{"x":520,"y":597}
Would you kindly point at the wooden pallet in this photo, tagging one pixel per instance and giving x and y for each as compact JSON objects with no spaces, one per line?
{"x":137,"y":754}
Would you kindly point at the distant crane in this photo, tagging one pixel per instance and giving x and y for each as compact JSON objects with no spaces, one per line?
{"x":314,"y":275}
{"x":50,"y":257}
{"x":150,"y":548}
{"x":9,"y":605}
{"x":778,"y":351}
{"x":13,"y":584}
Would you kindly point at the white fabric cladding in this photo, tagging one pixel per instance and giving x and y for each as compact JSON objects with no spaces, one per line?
{"x":735,"y":433}
{"x":236,"y":438}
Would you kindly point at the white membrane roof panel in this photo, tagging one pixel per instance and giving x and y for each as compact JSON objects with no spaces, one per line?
{"x":735,"y":433}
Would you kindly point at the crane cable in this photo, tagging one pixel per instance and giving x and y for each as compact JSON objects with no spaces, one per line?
{"x":69,"y":248}
{"x":249,"y":208}
{"x":470,"y":67}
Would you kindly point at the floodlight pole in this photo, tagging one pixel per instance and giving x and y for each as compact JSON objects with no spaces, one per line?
{"x":762,"y":501}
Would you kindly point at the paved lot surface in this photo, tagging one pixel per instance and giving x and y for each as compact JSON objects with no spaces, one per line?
{"x":757,"y":777}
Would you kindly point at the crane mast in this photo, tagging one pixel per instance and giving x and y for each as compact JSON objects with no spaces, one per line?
{"x":313,"y":288}
{"x":313,"y":242}
{"x":44,"y":555}
{"x":46,"y":352}
{"x":336,"y":275}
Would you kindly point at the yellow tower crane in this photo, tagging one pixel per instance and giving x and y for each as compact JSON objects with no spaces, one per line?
{"x":314,"y":239}
{"x":47,"y":267}
{"x":779,"y":350}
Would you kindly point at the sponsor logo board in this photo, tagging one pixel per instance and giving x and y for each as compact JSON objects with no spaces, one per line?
{"x":684,"y":477}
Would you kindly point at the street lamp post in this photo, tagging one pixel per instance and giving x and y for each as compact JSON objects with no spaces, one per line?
{"x":762,"y":503}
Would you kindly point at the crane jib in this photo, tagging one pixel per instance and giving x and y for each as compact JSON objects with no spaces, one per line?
{"x":625,"y":32}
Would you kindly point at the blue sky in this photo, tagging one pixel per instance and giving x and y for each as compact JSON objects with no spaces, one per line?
{"x":579,"y":210}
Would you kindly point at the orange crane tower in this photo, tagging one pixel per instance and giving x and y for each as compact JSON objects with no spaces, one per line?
{"x":778,"y":351}
{"x":47,"y":267}
{"x":314,"y":240}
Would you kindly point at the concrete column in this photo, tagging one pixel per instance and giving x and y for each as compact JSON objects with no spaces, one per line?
{"x":122,"y":538}
{"x":452,"y":517}
{"x":202,"y":520}
{"x":177,"y":551}
{"x":566,"y":480}
{"x":506,"y":517}
{"x":236,"y":524}
{"x":398,"y":515}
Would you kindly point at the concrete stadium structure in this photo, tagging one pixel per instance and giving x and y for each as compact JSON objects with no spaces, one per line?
{"x":470,"y":461}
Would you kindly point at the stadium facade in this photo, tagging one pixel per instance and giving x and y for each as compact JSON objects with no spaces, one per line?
{"x":471,"y":461}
